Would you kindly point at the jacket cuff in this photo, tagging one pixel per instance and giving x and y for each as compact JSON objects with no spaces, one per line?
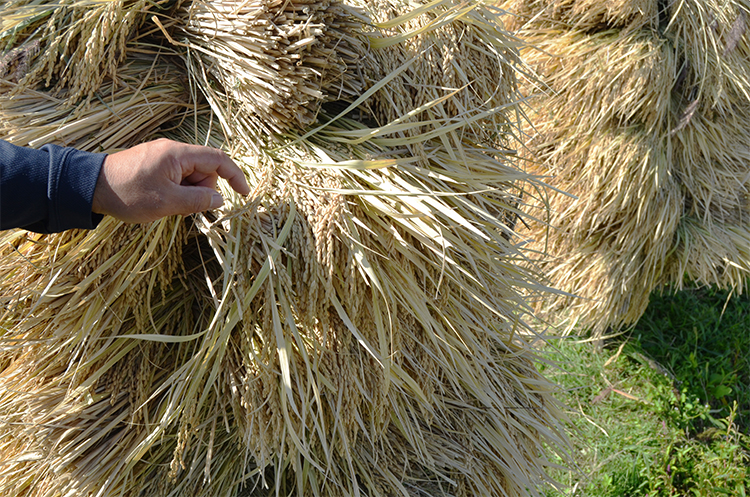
{"x":71,"y":188}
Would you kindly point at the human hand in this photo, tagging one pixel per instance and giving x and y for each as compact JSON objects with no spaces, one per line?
{"x":163,"y":178}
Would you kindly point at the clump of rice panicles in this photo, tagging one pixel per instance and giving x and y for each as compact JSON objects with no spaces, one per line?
{"x":72,"y":46}
{"x":360,"y":261}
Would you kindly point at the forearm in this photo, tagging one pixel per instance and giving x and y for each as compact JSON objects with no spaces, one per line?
{"x":47,"y":190}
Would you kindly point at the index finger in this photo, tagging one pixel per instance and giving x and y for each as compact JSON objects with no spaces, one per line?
{"x":208,"y":160}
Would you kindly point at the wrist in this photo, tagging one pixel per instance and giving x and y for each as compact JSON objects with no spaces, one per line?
{"x":102,"y":191}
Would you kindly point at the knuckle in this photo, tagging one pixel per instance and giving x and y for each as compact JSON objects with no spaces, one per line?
{"x":219,"y":155}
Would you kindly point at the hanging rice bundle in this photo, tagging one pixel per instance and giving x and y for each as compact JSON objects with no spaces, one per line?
{"x":588,"y":15}
{"x":353,"y":326}
{"x":383,"y":266}
{"x":646,"y":129}
{"x":711,"y":141}
{"x":147,"y":95}
{"x":710,"y":246}
{"x":272,"y":63}
{"x":396,"y":336}
{"x":387,"y":355}
{"x":66,"y":295}
{"x":71,"y":45}
{"x":618,"y":234}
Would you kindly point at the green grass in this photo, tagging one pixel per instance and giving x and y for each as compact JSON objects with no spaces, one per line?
{"x":703,"y":340}
{"x":665,"y":409}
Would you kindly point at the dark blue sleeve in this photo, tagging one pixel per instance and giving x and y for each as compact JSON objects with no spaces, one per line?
{"x":47,"y":190}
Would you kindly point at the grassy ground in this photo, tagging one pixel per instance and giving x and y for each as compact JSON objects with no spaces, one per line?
{"x":665,"y":409}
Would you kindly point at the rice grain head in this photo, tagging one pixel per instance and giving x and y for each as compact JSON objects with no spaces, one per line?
{"x":70,"y":46}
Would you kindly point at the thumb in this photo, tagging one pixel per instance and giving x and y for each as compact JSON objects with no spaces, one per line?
{"x":192,"y":199}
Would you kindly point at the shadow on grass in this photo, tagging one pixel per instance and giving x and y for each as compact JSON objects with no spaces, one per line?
{"x":702,"y":339}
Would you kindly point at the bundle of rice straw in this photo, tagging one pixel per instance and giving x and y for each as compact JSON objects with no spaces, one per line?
{"x":643,"y":119}
{"x":355,"y":326}
{"x":52,"y":321}
{"x":272,"y":63}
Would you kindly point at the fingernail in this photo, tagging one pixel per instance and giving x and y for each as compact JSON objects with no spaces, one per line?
{"x":217,"y":201}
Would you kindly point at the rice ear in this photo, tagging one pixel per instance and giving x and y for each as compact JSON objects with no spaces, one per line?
{"x":71,"y":46}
